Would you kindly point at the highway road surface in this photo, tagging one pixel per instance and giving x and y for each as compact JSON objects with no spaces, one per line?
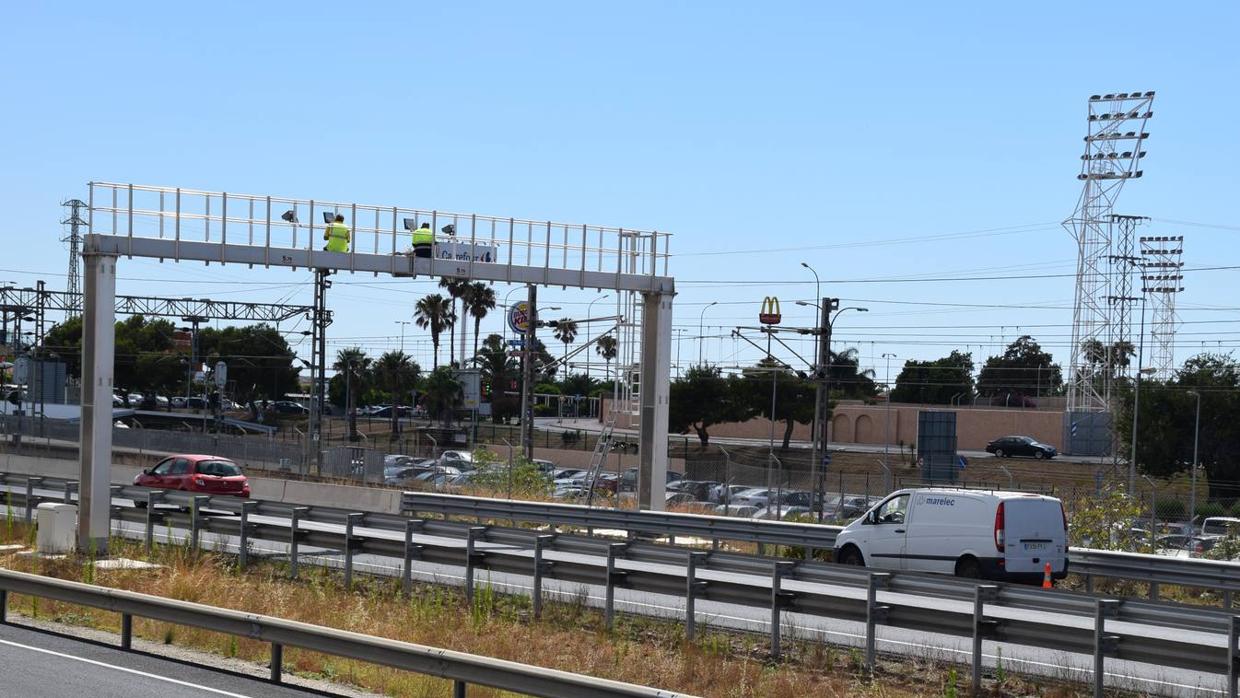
{"x":38,"y":663}
{"x":1015,"y":658}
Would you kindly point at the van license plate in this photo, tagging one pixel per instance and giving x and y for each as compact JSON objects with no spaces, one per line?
{"x":1035,"y":546}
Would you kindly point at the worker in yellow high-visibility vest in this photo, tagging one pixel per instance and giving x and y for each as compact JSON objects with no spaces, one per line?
{"x":337,"y":235}
{"x":423,"y":241}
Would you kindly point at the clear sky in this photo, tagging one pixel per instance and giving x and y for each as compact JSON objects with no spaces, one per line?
{"x":879,"y":142}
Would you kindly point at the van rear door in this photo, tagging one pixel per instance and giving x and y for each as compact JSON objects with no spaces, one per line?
{"x":1034,"y":534}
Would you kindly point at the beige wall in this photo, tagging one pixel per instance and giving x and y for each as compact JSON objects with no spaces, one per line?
{"x":868,"y":424}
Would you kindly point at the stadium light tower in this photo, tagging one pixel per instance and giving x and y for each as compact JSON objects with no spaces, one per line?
{"x":1116,"y":132}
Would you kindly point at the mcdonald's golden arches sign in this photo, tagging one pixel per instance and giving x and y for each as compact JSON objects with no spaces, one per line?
{"x":770,"y":315}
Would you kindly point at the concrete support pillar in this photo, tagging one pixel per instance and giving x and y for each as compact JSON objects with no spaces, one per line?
{"x":98,"y":354}
{"x":656,"y":365}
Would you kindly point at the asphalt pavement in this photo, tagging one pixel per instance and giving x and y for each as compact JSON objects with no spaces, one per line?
{"x":43,"y":663}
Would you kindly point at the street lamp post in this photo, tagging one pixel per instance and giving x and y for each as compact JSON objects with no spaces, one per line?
{"x":817,"y":447}
{"x":1136,"y":404}
{"x":1192,"y":495}
{"x":887,"y":430}
{"x":402,"y":324}
{"x":701,"y":336}
{"x":590,"y":314}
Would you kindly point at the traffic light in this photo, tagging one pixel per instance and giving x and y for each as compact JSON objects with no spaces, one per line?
{"x":486,"y":389}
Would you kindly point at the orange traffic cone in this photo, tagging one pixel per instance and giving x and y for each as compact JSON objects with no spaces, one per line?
{"x":1046,"y":577}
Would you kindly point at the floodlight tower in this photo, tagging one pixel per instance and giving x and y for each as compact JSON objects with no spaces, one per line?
{"x":1162,"y":278}
{"x":76,"y":225}
{"x":1114,"y":137}
{"x":1123,"y":263}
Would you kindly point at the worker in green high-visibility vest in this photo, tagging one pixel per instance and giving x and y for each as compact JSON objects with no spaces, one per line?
{"x":423,"y":241}
{"x":337,"y":235}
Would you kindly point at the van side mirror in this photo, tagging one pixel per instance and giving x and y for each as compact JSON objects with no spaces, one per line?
{"x":871,"y":517}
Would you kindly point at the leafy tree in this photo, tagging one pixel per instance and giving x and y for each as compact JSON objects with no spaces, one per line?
{"x":1021,"y":371}
{"x":146,"y":357}
{"x":566,"y":331}
{"x":606,"y":347}
{"x":456,"y":288}
{"x":794,"y":395}
{"x":935,"y":382}
{"x":1167,"y":423}
{"x":260,"y":361}
{"x":479,"y":299}
{"x":435,"y":313}
{"x":442,"y":394}
{"x":704,"y":397}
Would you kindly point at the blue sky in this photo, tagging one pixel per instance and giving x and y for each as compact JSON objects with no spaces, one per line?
{"x":874,"y":141}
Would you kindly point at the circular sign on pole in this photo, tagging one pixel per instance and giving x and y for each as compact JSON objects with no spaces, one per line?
{"x":519,"y":317}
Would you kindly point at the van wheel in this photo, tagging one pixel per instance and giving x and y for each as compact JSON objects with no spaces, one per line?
{"x":999,"y":453}
{"x":968,"y":568}
{"x":852,"y":556}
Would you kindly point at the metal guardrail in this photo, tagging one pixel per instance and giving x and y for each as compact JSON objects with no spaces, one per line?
{"x":651,"y":522}
{"x":461,"y":668}
{"x":924,"y":603}
{"x":1138,"y":567}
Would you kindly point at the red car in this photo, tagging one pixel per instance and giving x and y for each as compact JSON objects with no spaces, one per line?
{"x":202,"y":474}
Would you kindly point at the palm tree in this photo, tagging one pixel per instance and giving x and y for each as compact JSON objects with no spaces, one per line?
{"x":442,"y":393}
{"x":396,"y":373}
{"x":479,"y":300}
{"x":436,"y":313}
{"x":354,"y":363}
{"x":566,"y":331}
{"x":606,"y":348}
{"x":456,"y":289}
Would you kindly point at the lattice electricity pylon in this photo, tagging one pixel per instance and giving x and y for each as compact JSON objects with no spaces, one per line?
{"x":1162,"y":278}
{"x":1121,"y":300}
{"x":1115,"y":122}
{"x":77,"y":225}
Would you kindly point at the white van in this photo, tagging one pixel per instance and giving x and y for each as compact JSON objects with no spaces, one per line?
{"x":969,"y":533}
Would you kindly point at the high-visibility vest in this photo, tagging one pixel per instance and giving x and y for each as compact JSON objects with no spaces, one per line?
{"x":423,"y":236}
{"x":337,"y":237}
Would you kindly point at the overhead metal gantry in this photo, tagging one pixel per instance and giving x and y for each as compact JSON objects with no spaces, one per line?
{"x":184,"y":225}
{"x":13,"y":299}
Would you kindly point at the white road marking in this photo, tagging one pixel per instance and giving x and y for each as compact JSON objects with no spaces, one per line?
{"x":125,"y":669}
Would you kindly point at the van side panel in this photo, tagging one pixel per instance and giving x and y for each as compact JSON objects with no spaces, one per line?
{"x":943,"y":527}
{"x":1034,"y":535}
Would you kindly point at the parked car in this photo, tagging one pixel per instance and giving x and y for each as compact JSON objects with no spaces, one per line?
{"x":679,"y":498}
{"x":1008,"y":446}
{"x":722,"y":494}
{"x":755,"y":496}
{"x":196,"y":473}
{"x":992,"y":535}
{"x":780,"y":513}
{"x":744,"y":510}
{"x":461,"y":460}
{"x":628,"y":480}
{"x":289,"y":407}
{"x":1220,"y":526}
{"x":546,"y":467}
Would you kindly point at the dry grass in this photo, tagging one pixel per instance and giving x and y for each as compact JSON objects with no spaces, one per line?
{"x":570,"y":636}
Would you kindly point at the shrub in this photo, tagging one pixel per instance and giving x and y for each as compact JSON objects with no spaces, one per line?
{"x":1170,"y":509}
{"x":1235,"y":508}
{"x":1210,"y":509}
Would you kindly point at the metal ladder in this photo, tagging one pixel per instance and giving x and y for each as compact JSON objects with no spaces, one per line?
{"x":601,"y":449}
